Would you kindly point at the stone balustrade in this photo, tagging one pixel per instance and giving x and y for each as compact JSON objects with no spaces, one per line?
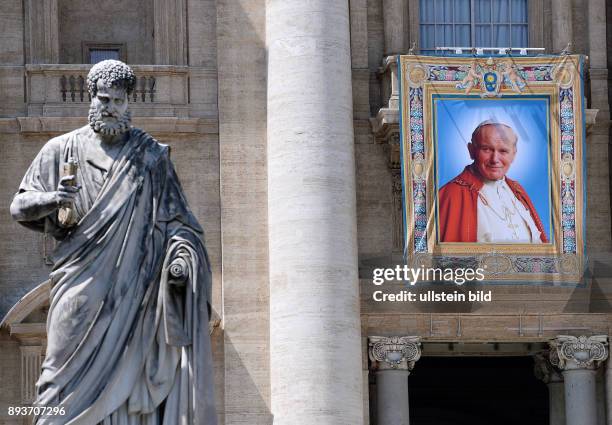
{"x":58,"y":90}
{"x":73,"y":88}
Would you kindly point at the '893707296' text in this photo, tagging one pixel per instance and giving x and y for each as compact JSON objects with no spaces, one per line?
{"x":36,"y":410}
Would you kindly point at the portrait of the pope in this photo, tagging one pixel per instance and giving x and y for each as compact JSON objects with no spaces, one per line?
{"x":482,"y":204}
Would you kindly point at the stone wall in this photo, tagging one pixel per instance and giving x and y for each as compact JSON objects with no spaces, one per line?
{"x":10,"y":376}
{"x":12,"y":89}
{"x":124,"y":21}
{"x":241,"y":60}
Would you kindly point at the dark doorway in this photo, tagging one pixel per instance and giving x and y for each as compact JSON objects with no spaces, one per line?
{"x":476,"y":391}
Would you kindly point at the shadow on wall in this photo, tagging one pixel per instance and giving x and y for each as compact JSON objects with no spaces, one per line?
{"x":242,"y":98}
{"x":595,"y":295}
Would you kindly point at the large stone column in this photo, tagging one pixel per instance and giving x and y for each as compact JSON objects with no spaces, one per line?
{"x":579,"y":357}
{"x":553,"y":379}
{"x":393,"y":358}
{"x":562,"y":28}
{"x":315,"y":356}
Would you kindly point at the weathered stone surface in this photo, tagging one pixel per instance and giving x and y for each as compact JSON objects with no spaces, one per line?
{"x":129,"y":25}
{"x":12,"y":33}
{"x":314,"y":311}
{"x":242,"y":148}
{"x":10,"y":377}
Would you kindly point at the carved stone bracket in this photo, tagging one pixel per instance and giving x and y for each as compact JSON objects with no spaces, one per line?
{"x":393,"y":146}
{"x":590,"y":118}
{"x":394,"y":352}
{"x":544,"y":370}
{"x":385,"y":124}
{"x":570,"y":352}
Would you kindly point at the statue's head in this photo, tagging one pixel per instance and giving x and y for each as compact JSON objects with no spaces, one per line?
{"x":110,"y":82}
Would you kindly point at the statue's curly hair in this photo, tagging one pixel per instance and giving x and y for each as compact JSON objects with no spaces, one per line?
{"x":113,"y":73}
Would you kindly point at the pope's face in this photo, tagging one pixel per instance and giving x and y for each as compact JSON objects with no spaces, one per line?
{"x":493,"y":152}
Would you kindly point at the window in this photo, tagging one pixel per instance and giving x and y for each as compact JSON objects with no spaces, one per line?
{"x":97,"y":52}
{"x":473,"y":23}
{"x":98,"y":55}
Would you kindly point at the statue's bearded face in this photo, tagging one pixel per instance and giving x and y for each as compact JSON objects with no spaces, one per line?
{"x":108,"y":113}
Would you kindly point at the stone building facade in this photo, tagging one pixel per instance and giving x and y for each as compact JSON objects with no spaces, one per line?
{"x":282,"y":116}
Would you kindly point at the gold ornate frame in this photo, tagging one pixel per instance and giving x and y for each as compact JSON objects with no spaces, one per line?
{"x":556,"y":77}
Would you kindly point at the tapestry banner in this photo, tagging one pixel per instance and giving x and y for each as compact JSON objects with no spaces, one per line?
{"x":493,"y":173}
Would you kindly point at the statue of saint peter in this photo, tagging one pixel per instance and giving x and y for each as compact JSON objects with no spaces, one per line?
{"x":127,"y":326}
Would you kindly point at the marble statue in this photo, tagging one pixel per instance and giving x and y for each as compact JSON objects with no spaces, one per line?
{"x":127,"y":330}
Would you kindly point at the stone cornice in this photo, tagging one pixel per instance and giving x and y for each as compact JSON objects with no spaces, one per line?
{"x":396,"y":352}
{"x":583,"y":352}
{"x":154,"y":125}
{"x":62,"y":67}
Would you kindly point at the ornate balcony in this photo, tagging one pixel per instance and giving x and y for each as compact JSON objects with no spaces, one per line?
{"x":385,"y":124}
{"x":61,"y":91}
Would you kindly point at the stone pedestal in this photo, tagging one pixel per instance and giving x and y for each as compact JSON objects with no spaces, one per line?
{"x":315,"y":352}
{"x":578,"y":358}
{"x":392,"y":359}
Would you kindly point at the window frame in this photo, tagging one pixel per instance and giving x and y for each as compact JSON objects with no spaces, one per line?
{"x":88,"y":46}
{"x":535,"y":23}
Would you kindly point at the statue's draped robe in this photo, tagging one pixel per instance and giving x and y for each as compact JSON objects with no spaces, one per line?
{"x":125,"y":344}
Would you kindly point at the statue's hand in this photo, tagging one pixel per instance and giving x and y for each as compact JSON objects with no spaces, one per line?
{"x":178,"y":272}
{"x":33,"y":205}
{"x":66,"y":192}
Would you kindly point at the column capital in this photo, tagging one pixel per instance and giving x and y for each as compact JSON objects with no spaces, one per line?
{"x":582,"y":352}
{"x":544,"y":369}
{"x":395,"y":352}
